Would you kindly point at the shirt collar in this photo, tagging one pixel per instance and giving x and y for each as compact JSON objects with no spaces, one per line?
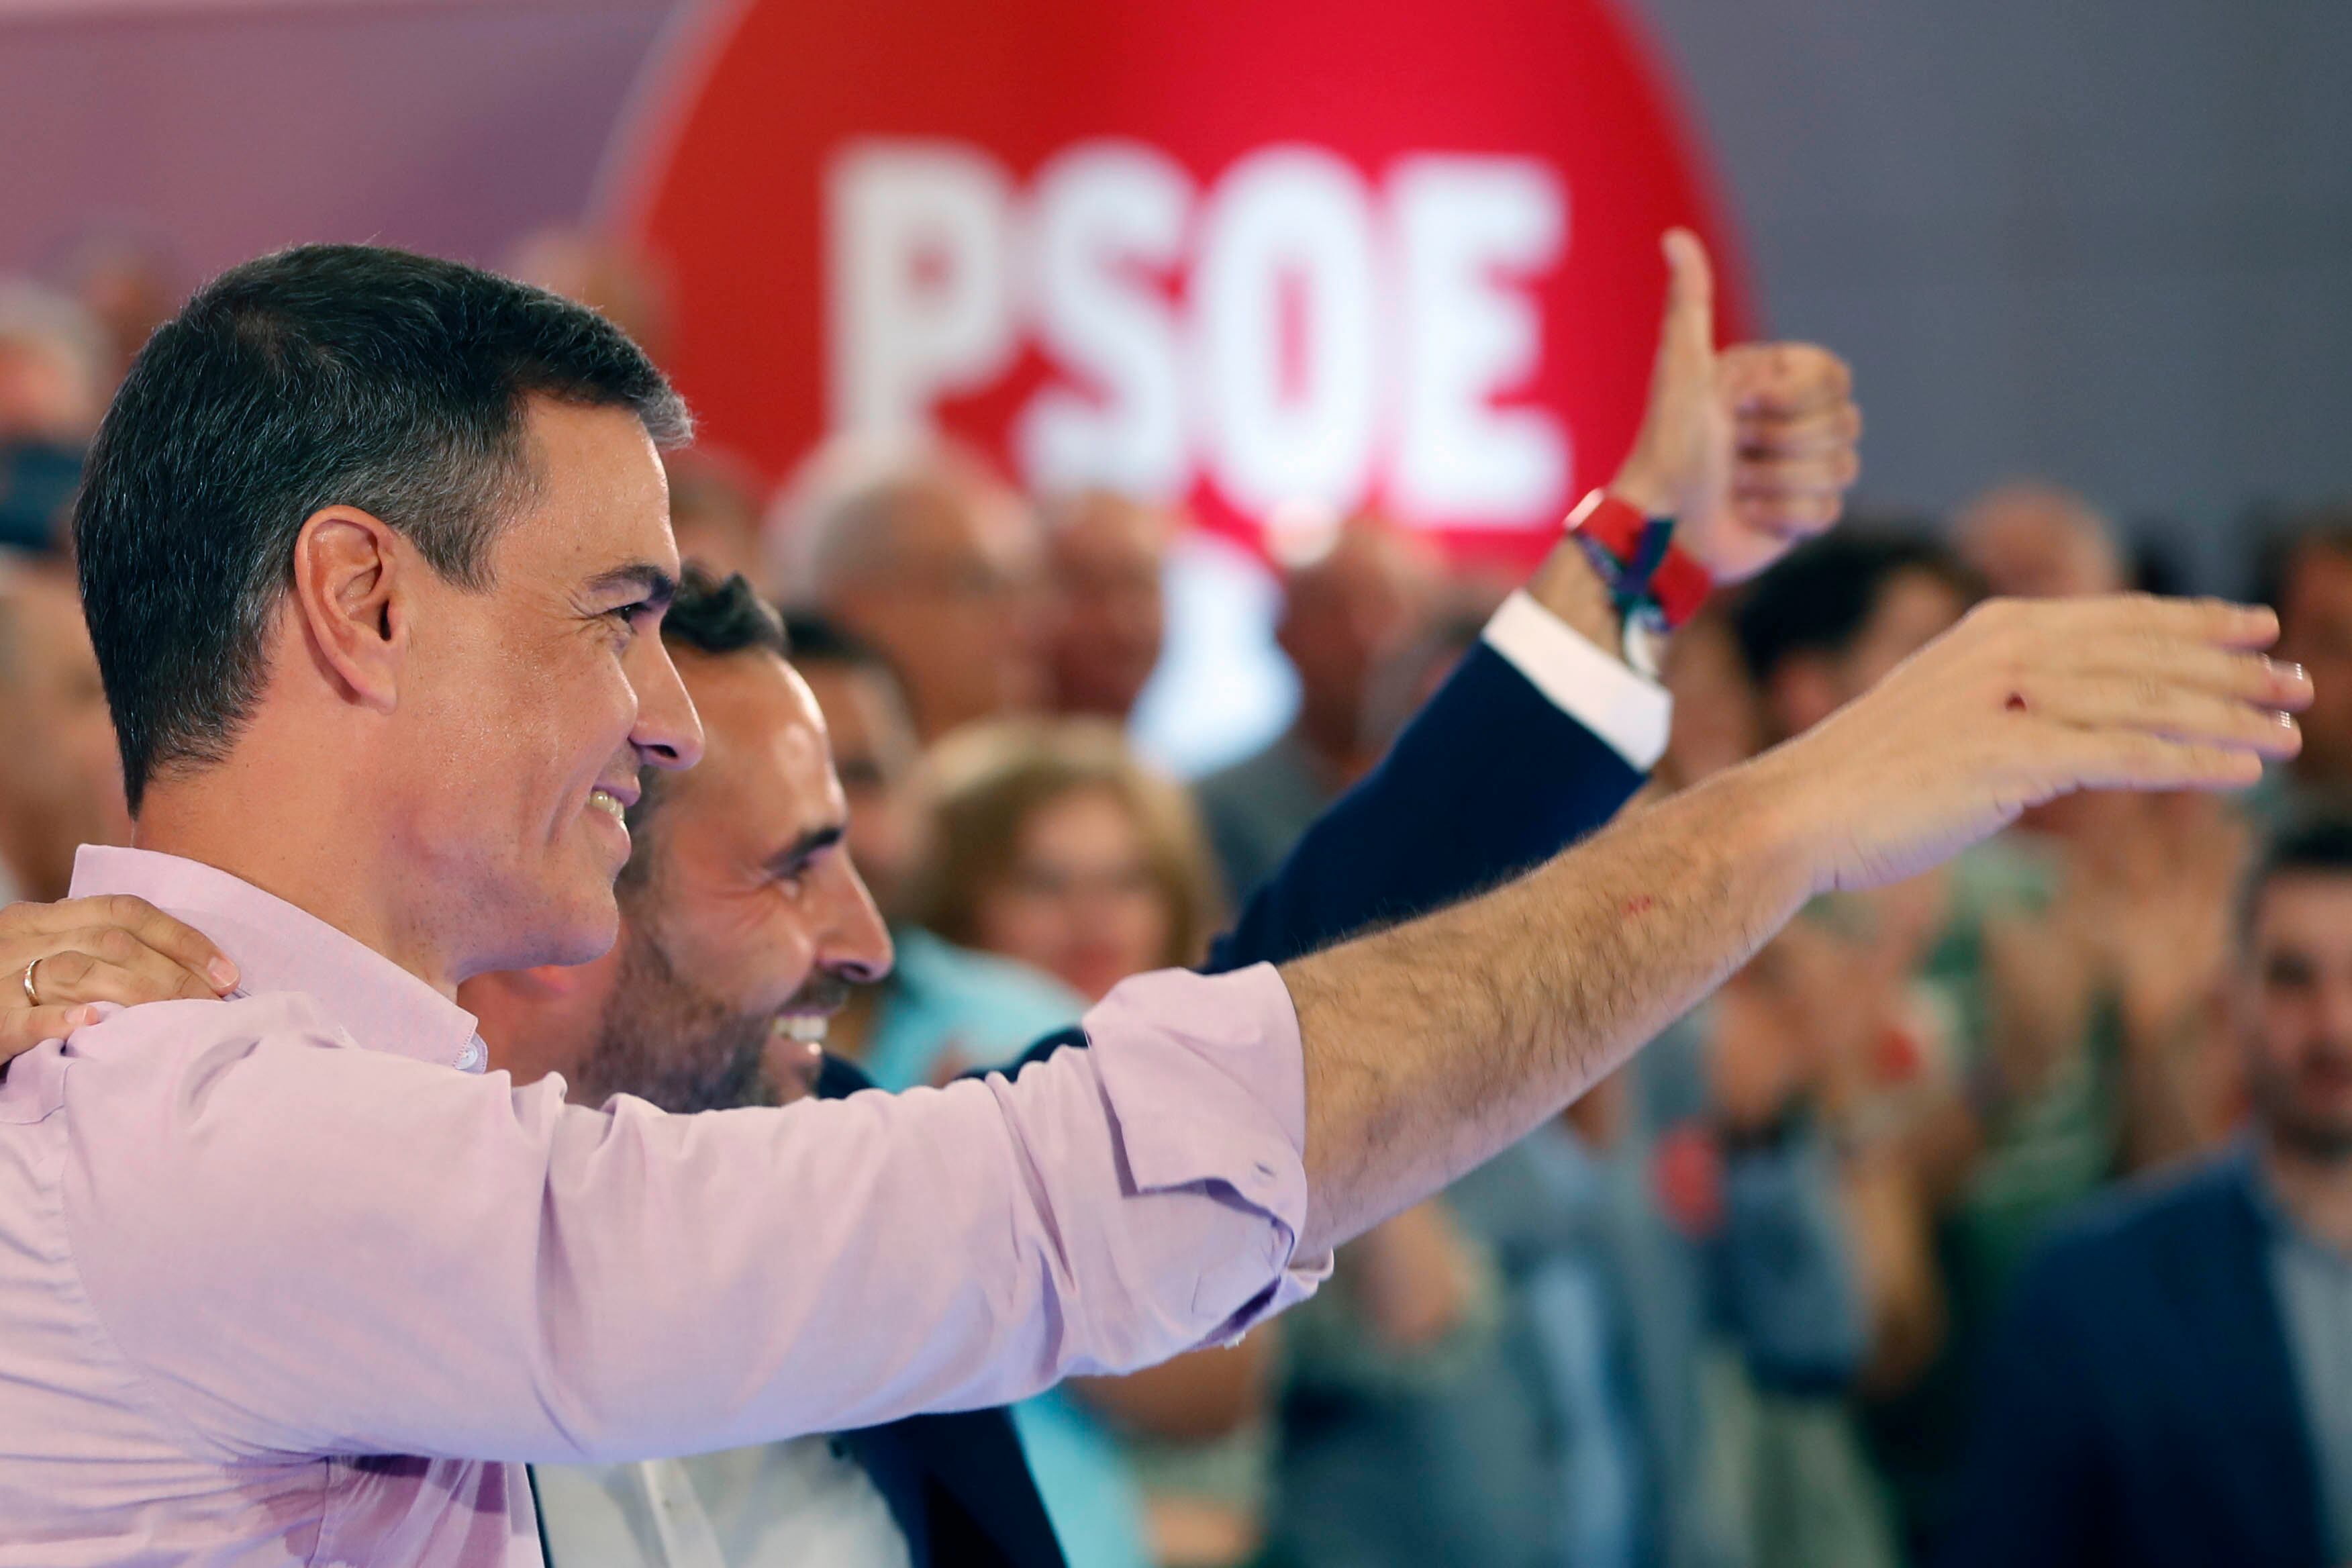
{"x":2278,"y":1222}
{"x":277,"y":947}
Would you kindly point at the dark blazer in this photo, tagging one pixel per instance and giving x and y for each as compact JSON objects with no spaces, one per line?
{"x":957,"y":1484}
{"x":1490,"y":779}
{"x":2139,"y":1407}
{"x":1487,"y":781}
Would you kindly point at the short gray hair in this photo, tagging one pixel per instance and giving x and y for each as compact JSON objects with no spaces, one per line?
{"x":831,"y":523}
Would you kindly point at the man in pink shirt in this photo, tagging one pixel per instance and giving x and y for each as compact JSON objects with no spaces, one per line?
{"x":373,"y":551}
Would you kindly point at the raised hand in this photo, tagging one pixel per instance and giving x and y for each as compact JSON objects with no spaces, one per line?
{"x":2025,"y":701}
{"x":1751,"y":448}
{"x":84,"y":950}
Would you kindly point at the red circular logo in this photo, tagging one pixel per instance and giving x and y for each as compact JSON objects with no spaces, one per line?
{"x":1241,"y":255}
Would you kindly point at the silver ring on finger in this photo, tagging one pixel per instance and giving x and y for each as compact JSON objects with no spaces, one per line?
{"x":32,"y":992}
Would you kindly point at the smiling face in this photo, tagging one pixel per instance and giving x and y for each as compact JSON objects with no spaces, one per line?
{"x":1079,"y":900}
{"x":527,"y":708}
{"x":748,"y":912}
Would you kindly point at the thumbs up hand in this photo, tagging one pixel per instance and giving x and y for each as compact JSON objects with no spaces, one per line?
{"x":1750,"y":448}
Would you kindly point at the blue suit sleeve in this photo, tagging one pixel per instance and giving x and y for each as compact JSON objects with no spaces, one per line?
{"x":1490,"y":779}
{"x":2027,"y":1488}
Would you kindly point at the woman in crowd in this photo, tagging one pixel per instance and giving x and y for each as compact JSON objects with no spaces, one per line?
{"x":1054,"y":844}
{"x":1051,"y":843}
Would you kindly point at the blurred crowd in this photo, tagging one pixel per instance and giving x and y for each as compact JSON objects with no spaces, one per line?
{"x":1785,"y":1292}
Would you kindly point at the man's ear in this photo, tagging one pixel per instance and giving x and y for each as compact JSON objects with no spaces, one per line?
{"x":350,"y":591}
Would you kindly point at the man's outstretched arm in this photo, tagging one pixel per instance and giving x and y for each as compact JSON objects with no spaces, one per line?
{"x":488,"y":1272}
{"x":1430,"y":1046}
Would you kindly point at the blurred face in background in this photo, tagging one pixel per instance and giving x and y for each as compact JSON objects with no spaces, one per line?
{"x":955,"y":594}
{"x":1717,"y":721}
{"x":1107,"y":553}
{"x":46,"y":394}
{"x":2294,"y":1008}
{"x":714,"y":513}
{"x":1079,"y":899}
{"x":1914,"y":608}
{"x":2315,"y":631}
{"x":874,"y":754}
{"x":2034,"y":541}
{"x":619,"y":282}
{"x":60,"y":777}
{"x":57,"y":373}
{"x":1345,"y":616}
{"x":130,"y":286}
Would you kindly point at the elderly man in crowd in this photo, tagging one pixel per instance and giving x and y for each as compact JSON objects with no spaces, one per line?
{"x":383,"y":653}
{"x":2032,"y":540}
{"x":1107,"y":553}
{"x":53,"y":366}
{"x":919,"y":549}
{"x":2174,"y":1384}
{"x":1346,"y":612}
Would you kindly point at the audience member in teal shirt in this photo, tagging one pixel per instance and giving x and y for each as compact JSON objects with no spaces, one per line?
{"x":946,"y":1008}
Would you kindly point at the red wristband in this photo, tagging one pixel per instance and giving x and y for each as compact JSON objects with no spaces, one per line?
{"x":1679,"y":585}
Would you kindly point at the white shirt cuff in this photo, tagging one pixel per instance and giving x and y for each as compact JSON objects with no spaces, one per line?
{"x":1600,"y":691}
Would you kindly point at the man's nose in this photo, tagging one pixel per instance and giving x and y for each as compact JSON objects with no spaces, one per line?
{"x":858,"y":947}
{"x":668,"y":733}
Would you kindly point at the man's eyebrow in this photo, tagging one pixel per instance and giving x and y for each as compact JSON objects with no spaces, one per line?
{"x":799,"y":850}
{"x":655,"y":587}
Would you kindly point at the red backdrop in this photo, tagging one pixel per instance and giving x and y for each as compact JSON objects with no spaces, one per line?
{"x":1493,"y":307}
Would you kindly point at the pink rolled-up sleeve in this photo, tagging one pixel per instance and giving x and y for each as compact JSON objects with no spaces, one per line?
{"x":306,"y":1247}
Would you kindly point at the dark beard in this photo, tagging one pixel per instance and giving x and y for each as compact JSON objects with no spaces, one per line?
{"x":664,"y":1040}
{"x":2316,"y":1139}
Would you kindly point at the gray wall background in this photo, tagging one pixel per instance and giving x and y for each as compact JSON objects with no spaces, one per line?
{"x":2109,"y":241}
